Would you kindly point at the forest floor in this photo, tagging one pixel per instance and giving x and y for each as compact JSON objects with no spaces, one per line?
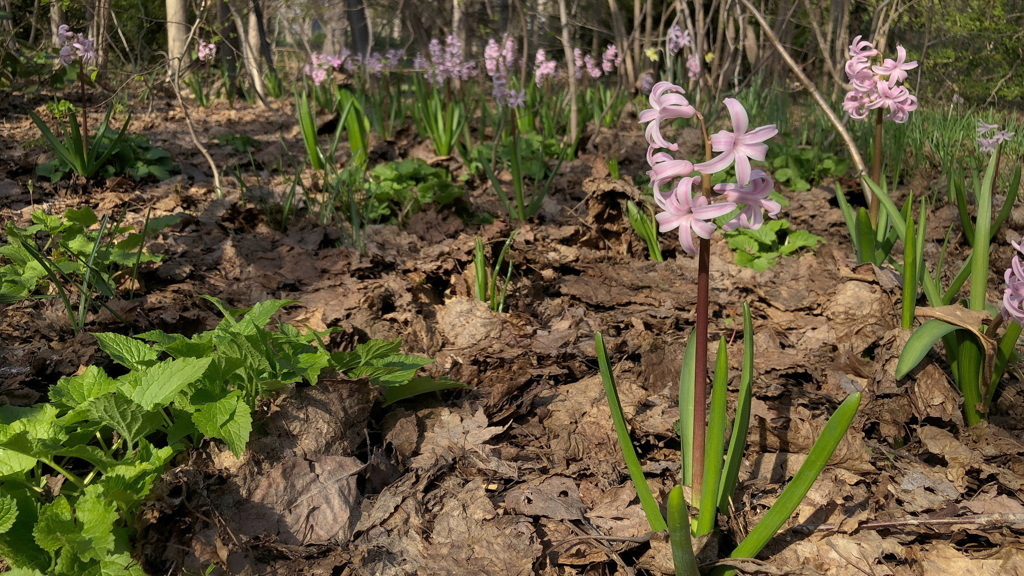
{"x":521,"y":473}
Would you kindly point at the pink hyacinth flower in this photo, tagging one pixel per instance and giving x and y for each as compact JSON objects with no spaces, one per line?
{"x":754,"y":199}
{"x":738,"y":146}
{"x":1013,"y":297}
{"x":896,"y":70}
{"x":667,"y":102}
{"x":665,"y":168}
{"x":689,"y":214}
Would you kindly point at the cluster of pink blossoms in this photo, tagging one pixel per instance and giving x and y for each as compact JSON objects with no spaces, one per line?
{"x":878,"y":86}
{"x":685,"y":207}
{"x":543,"y":68}
{"x":990,"y":136}
{"x":75,"y":46}
{"x":677,"y":38}
{"x":1013,"y":297}
{"x":610,"y":60}
{"x":320,"y":65}
{"x":499,"y":61}
{"x":445,"y":62}
{"x":206,"y":51}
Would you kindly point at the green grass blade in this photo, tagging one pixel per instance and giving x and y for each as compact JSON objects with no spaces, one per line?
{"x":910,"y":252}
{"x":636,"y":473}
{"x":982,"y":236}
{"x":738,"y":440}
{"x":1006,"y":352}
{"x":795,"y":491}
{"x":480,"y":270}
{"x":679,"y":534}
{"x":714,"y":444}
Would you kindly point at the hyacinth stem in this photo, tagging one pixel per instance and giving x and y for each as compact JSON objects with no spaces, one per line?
{"x":876,"y":169}
{"x":700,"y":333}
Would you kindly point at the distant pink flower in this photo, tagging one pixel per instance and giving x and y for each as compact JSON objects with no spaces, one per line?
{"x":677,"y":38}
{"x":990,"y":136}
{"x":693,"y":66}
{"x":667,"y":102}
{"x":984,"y":128}
{"x":610,"y":59}
{"x":543,"y":68}
{"x":1013,"y":297}
{"x":592,"y":69}
{"x":754,"y":199}
{"x":206,"y":51}
{"x":688,"y":213}
{"x":738,"y":146}
{"x":577,"y":58}
{"x":75,"y":46}
{"x":491,"y":54}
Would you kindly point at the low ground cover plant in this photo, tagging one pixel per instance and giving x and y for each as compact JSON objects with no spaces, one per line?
{"x":75,"y":470}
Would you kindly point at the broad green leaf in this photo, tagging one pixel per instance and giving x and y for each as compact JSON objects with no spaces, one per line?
{"x":228,"y":419}
{"x":77,"y":390}
{"x":128,"y":352}
{"x":920,"y":343}
{"x":84,"y":217}
{"x":157,"y":385}
{"x":127,"y":483}
{"x":98,"y":515}
{"x":120,"y":564}
{"x":56,"y":526}
{"x":27,"y":434}
{"x":8,"y":512}
{"x":124,"y":415}
{"x":417,"y":386}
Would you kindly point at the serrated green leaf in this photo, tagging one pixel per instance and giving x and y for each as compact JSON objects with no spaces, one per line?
{"x":8,"y":512}
{"x":742,"y":242}
{"x":157,"y":385}
{"x":129,"y":482}
{"x":27,"y":434}
{"x":124,"y":415}
{"x":56,"y":527}
{"x":228,"y":419}
{"x":98,"y":515}
{"x":129,"y":352}
{"x":74,"y":391}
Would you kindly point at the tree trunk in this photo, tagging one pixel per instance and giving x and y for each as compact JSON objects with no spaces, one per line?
{"x":56,"y":20}
{"x":258,"y":18}
{"x":99,"y":26}
{"x":360,"y":26}
{"x":232,"y":48}
{"x":177,"y":35}
{"x":622,"y":41}
{"x":570,"y":65}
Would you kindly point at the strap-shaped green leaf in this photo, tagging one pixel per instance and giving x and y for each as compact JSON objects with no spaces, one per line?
{"x":679,"y":534}
{"x":714,"y":443}
{"x":920,"y":343}
{"x":636,"y":473}
{"x":795,"y":491}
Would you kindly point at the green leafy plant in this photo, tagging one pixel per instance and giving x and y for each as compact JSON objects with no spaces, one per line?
{"x":800,"y":167}
{"x":977,"y":356}
{"x":642,"y":221}
{"x":397,"y":189}
{"x":761,"y":249}
{"x":487,"y":288}
{"x":526,"y":157}
{"x":102,"y":441}
{"x":73,"y":151}
{"x":74,"y":256}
